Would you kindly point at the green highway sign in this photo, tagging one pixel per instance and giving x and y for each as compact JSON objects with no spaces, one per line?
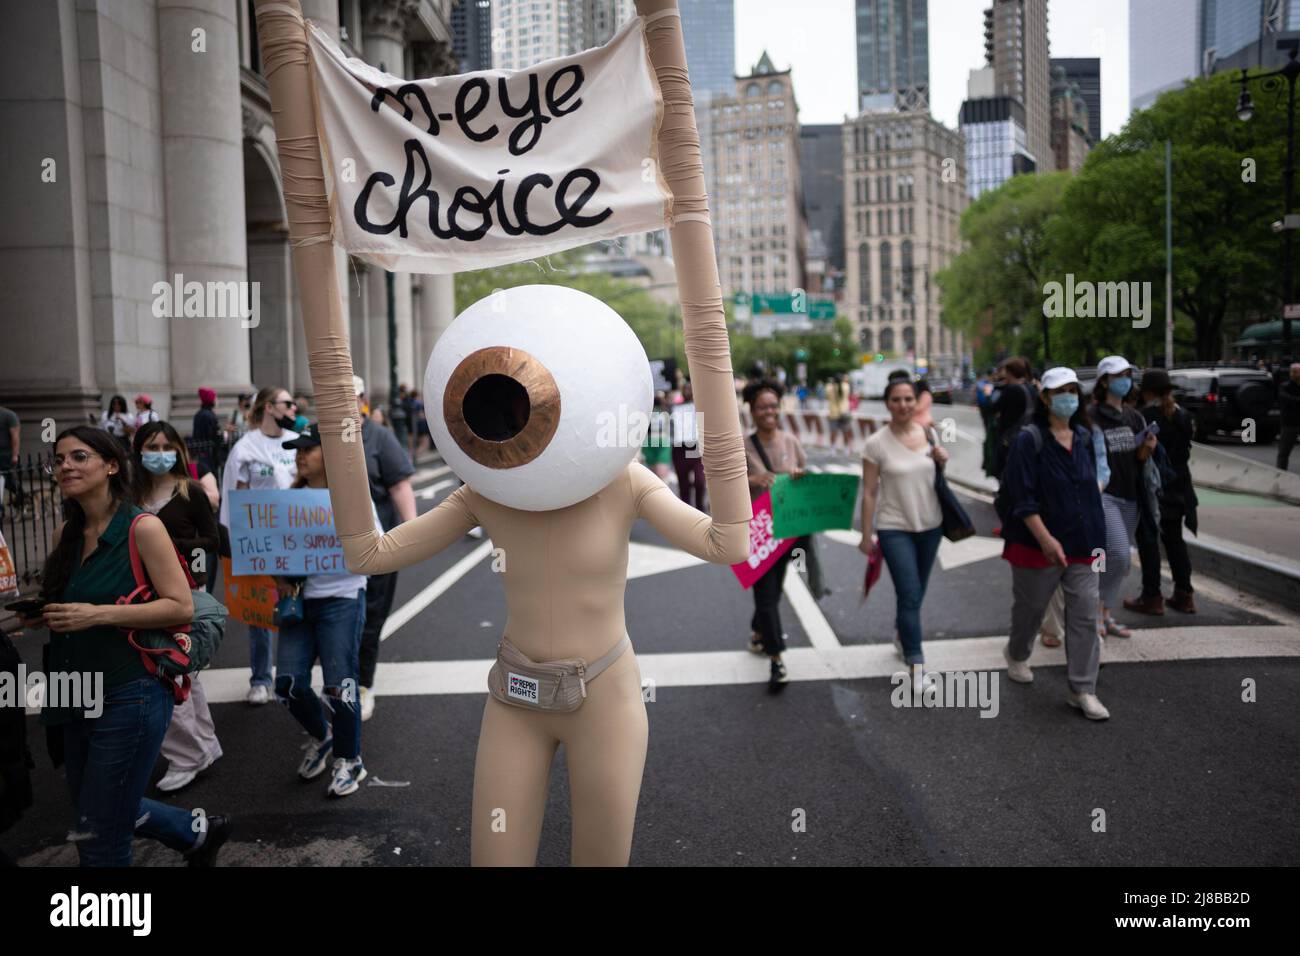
{"x":761,"y":303}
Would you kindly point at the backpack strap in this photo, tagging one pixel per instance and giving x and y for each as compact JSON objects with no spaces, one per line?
{"x":137,"y":563}
{"x":762,"y":452}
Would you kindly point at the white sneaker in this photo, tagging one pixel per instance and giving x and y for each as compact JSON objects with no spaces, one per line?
{"x":367,"y":703}
{"x":173,"y":780}
{"x":918,"y":681}
{"x":1092,"y":708}
{"x":1017,"y":671}
{"x":259,"y":694}
{"x":347,"y":777}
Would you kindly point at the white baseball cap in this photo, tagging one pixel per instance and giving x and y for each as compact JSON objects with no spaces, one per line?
{"x":1056,"y":377}
{"x":358,"y":385}
{"x":1113,"y":365}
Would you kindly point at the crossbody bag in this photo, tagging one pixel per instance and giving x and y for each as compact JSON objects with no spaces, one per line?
{"x":557,"y":687}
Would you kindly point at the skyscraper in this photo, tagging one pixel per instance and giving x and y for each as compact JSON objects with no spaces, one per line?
{"x":709,"y":29}
{"x":1015,"y":45}
{"x":893,"y":55}
{"x":1162,"y":47}
{"x":471,"y":41}
{"x":1085,"y":74}
{"x":821,"y":164}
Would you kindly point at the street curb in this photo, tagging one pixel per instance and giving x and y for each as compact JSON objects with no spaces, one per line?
{"x":1273,"y":582}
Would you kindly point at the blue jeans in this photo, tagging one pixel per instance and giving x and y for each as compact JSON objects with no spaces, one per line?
{"x":331,"y":630}
{"x":259,"y":655}
{"x":109,"y":760}
{"x":910,"y":556}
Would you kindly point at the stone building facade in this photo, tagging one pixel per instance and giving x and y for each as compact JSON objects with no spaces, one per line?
{"x":904,"y":193}
{"x":756,"y":192}
{"x":143,"y":161}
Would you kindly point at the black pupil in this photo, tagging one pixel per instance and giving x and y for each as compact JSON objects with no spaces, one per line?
{"x":496,"y":408}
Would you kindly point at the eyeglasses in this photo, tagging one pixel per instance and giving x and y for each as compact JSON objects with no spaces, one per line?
{"x":77,"y":457}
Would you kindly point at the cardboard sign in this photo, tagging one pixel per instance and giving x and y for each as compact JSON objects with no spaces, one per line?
{"x":815,"y":502}
{"x":764,"y":546}
{"x":8,"y":574}
{"x":453,"y":173}
{"x":284,"y":533}
{"x":250,"y":598}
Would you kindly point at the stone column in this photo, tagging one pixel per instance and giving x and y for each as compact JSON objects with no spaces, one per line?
{"x":272,"y":359}
{"x":198,"y":51}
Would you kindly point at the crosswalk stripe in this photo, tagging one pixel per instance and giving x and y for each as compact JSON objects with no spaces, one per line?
{"x":852,"y":662}
{"x":434,"y":590}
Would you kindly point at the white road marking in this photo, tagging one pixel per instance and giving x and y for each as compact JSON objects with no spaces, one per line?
{"x":428,"y":494}
{"x":434,"y":590}
{"x":853,"y":662}
{"x":968,"y":551}
{"x":820,"y":633}
{"x":428,"y":474}
{"x":647,"y":559}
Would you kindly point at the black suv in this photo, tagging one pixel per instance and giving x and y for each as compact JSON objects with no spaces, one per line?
{"x":1221,"y":397}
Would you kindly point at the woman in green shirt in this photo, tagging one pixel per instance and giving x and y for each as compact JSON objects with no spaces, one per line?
{"x":112,"y":734}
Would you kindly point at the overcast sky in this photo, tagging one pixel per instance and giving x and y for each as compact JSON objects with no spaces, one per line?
{"x":820,"y":50}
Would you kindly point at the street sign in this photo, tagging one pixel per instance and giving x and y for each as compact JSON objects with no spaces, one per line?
{"x":761,"y":303}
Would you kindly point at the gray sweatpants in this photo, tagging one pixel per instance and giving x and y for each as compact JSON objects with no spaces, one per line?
{"x":1121,"y":527}
{"x":191,"y":740}
{"x":1031,"y":590}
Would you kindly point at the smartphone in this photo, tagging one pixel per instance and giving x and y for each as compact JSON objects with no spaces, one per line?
{"x":1151,"y":429}
{"x":29,"y":608}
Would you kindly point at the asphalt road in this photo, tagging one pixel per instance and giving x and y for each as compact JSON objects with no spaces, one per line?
{"x":1185,"y":772}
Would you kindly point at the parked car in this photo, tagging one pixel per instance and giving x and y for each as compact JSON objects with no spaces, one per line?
{"x":1223,"y":398}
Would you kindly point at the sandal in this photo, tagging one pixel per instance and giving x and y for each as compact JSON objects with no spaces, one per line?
{"x":1115,"y":629}
{"x":1049,"y":640}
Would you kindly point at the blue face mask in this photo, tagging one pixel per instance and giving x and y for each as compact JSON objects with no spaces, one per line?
{"x":158,"y":462}
{"x":1065,"y":405}
{"x":1119,"y":387}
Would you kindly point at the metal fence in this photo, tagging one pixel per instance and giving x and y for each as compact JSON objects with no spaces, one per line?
{"x":31,"y":506}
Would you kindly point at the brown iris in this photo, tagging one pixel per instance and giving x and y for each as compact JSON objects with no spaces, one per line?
{"x":501,"y":406}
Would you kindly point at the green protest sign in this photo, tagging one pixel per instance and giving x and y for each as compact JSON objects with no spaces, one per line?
{"x":815,"y":502}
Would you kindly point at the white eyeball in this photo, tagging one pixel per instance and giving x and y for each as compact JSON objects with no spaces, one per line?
{"x":538,"y":396}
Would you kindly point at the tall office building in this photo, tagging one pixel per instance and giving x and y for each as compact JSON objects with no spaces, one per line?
{"x":1070,"y":138}
{"x":1243,"y":34}
{"x":905,"y":185}
{"x":757,"y":202}
{"x":1015,"y":45}
{"x":471,"y":35}
{"x":602,"y":18}
{"x":994,"y":127}
{"x":821,"y":165}
{"x":525,"y":32}
{"x":1162,"y":47}
{"x":893,"y":39}
{"x":709,"y":30}
{"x":1085,"y":74}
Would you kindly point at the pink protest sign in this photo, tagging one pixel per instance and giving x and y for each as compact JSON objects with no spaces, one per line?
{"x":764,"y":549}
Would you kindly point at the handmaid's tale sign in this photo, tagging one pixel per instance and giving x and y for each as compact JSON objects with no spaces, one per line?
{"x":464,"y":172}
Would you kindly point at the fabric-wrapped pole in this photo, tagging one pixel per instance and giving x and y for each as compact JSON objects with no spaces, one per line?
{"x":283,"y":41}
{"x":704,"y":326}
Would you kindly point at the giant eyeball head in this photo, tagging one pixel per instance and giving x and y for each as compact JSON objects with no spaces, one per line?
{"x":535,"y":395}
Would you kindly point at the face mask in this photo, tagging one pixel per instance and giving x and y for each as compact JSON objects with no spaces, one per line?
{"x":158,"y":462}
{"x":1119,"y":387}
{"x":286,"y":421}
{"x":1065,"y":405}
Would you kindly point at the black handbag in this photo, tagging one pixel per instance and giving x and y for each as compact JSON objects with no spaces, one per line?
{"x":956,"y":522}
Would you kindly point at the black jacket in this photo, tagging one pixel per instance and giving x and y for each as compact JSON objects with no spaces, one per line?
{"x":1288,"y":397}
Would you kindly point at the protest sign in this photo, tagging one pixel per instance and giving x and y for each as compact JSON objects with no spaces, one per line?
{"x":250,"y":598}
{"x":285,"y":533}
{"x":764,"y":546}
{"x":453,"y":173}
{"x":815,"y":502}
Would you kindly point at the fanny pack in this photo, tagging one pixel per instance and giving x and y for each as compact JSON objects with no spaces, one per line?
{"x":557,"y":687}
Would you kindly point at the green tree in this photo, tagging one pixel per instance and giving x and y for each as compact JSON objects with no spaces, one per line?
{"x":993,"y":289}
{"x":1226,"y":193}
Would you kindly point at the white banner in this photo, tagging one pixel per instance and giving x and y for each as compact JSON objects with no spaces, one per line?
{"x":463,"y":172}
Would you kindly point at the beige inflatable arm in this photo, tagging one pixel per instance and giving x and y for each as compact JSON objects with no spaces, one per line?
{"x":708,"y":353}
